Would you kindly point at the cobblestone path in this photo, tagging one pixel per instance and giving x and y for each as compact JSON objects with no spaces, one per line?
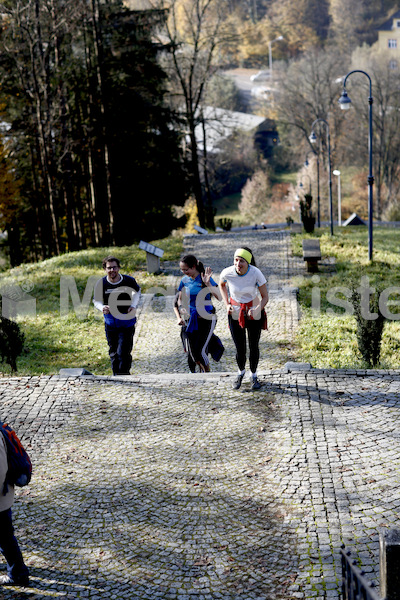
{"x":147,"y":491}
{"x":174,"y":486}
{"x":156,"y":488}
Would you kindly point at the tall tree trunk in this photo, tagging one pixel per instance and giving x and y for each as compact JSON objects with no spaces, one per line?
{"x":209,"y":210}
{"x":43,"y":235}
{"x":92,"y":199}
{"x":98,"y":43}
{"x":84,"y":115}
{"x":196,"y":180}
{"x":43,"y":114}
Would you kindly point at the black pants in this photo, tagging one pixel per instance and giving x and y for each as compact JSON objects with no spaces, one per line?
{"x":16,"y":568}
{"x":120,"y":343}
{"x":198,"y":341}
{"x":253,"y":328}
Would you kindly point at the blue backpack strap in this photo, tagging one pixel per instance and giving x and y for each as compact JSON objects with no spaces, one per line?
{"x":5,"y":486}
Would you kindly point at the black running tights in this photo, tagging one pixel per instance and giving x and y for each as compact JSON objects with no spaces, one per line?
{"x":253,"y":328}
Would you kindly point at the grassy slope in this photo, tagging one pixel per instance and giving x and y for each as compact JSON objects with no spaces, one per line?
{"x":54,"y":341}
{"x":228,"y":208}
{"x":329,"y":340}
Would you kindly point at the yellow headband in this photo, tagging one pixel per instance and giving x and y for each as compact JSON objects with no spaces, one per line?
{"x":243,"y":254}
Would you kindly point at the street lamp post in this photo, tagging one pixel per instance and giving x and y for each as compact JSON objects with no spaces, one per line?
{"x":297,"y":197}
{"x":270,"y":53}
{"x":318,"y":197}
{"x":345,"y":102}
{"x":339,"y":207}
{"x":309,"y":180}
{"x":313,"y":139}
{"x":306,"y":163}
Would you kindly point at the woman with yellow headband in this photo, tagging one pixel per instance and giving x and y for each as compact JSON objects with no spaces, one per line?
{"x":244,"y":291}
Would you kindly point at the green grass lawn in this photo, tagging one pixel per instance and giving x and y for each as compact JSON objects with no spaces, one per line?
{"x":327,"y":337}
{"x":285,"y":177}
{"x":54,"y":341}
{"x":228,"y":208}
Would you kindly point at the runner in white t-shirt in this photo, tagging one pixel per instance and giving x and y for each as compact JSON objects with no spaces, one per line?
{"x":244,"y":291}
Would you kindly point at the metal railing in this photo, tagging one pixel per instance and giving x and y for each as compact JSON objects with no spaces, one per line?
{"x":357,"y":587}
{"x":354,"y":585}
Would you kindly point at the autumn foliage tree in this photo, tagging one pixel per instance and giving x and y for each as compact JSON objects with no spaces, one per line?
{"x":12,"y":206}
{"x":256,"y":196}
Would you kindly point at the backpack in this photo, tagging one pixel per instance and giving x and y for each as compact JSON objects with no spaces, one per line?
{"x":19,"y":464}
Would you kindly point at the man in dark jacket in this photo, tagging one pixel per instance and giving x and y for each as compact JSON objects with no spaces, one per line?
{"x":117,"y":296}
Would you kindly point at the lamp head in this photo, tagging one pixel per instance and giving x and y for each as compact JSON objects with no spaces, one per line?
{"x":313,"y":137}
{"x":336,"y":172}
{"x":344,"y":101}
{"x":277,"y":39}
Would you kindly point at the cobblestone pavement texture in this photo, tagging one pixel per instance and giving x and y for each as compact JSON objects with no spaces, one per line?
{"x":174,"y":486}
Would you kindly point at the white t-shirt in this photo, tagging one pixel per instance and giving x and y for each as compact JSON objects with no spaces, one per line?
{"x":243,"y":288}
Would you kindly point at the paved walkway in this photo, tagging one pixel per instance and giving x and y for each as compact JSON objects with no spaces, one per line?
{"x":164,"y":485}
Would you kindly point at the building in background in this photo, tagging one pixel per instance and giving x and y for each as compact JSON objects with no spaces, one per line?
{"x":389,"y":40}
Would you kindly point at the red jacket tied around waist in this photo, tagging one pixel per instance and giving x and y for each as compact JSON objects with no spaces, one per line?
{"x":243,"y":313}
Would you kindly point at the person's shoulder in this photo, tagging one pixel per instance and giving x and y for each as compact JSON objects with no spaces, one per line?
{"x":129,"y":279}
{"x":255,"y":269}
{"x":101,"y":281}
{"x":228,"y":271}
{"x":257,"y":272}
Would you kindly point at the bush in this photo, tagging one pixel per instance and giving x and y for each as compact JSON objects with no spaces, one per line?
{"x":225,"y":224}
{"x":392,"y":212}
{"x":307,"y":216}
{"x":223,"y":93}
{"x":189,"y":211}
{"x":11,"y":342}
{"x":369,"y":330}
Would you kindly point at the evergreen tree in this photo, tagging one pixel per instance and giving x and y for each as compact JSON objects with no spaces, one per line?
{"x":84,"y":96}
{"x":145,"y":162}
